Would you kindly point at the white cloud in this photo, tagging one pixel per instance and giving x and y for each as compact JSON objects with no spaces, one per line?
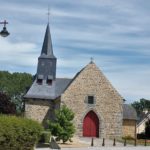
{"x":116,"y":33}
{"x":18,"y":53}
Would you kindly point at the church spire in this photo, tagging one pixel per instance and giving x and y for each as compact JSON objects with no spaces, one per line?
{"x":47,"y":48}
{"x":46,"y":69}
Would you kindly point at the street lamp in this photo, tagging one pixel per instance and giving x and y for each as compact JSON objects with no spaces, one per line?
{"x":4,"y":32}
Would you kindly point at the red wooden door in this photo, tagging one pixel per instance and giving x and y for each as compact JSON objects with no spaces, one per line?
{"x":91,"y":125}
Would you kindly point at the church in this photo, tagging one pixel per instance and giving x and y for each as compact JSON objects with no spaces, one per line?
{"x":99,"y":109}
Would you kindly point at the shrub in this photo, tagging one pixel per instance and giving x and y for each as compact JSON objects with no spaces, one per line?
{"x":62,"y":127}
{"x":18,"y":133}
{"x":45,"y":137}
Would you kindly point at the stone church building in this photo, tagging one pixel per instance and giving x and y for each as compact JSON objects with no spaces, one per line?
{"x":99,"y":109}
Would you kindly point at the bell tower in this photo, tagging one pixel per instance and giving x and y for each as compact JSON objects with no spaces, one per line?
{"x":46,"y":69}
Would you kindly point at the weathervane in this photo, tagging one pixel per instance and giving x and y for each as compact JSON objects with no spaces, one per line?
{"x":4,"y":32}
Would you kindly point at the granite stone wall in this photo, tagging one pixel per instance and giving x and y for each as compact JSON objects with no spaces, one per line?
{"x":107,"y":102}
{"x":39,"y":110}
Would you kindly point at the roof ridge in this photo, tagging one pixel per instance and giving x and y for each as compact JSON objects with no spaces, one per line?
{"x":64,"y":78}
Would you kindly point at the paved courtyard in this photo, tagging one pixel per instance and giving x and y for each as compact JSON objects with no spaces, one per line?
{"x":98,"y":146}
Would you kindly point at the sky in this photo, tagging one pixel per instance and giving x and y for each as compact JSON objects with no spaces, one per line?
{"x":115,"y":33}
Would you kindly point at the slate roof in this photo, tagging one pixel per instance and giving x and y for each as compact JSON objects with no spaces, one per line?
{"x":47,"y":48}
{"x":144,"y":117}
{"x":129,"y":112}
{"x":45,"y":91}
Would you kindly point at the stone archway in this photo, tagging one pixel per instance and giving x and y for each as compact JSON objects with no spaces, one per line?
{"x":91,"y":125}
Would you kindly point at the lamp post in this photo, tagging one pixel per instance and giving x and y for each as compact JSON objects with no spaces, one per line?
{"x":4,"y":32}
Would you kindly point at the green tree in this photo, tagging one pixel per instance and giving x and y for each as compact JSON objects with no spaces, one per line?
{"x":6,"y":106}
{"x":147,"y":129}
{"x":15,"y":85}
{"x":141,"y":105}
{"x":62,"y":127}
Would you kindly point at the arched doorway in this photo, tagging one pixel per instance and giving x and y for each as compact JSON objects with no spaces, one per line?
{"x":91,"y":125}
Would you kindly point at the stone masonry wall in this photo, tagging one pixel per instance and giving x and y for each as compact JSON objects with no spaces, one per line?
{"x":39,"y":110}
{"x":129,"y":127}
{"x":108,"y":103}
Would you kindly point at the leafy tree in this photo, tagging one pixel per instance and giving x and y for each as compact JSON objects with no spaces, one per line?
{"x":147,"y":129}
{"x":15,"y":85}
{"x":6,"y":106}
{"x":141,"y":105}
{"x":62,"y":127}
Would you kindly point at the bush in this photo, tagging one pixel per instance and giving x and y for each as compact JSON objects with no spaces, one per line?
{"x":62,"y":127}
{"x":45,"y":137}
{"x":18,"y":133}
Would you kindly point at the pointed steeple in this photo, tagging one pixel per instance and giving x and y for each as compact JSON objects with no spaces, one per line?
{"x":46,"y":69}
{"x":47,"y":48}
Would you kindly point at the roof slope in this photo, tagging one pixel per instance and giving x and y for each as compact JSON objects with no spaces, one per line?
{"x":46,"y":91}
{"x":144,"y":118}
{"x":129,"y":112}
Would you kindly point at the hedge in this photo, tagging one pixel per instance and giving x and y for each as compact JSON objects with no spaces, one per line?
{"x":18,"y":133}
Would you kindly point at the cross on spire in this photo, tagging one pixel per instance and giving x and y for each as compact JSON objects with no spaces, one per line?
{"x":92,"y":59}
{"x":48,"y":14}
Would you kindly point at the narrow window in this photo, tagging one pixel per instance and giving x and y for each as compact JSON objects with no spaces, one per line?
{"x":90,"y":99}
{"x":39,"y":81}
{"x":49,"y":81}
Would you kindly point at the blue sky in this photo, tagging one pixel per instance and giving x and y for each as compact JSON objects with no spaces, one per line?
{"x":116,"y":33}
